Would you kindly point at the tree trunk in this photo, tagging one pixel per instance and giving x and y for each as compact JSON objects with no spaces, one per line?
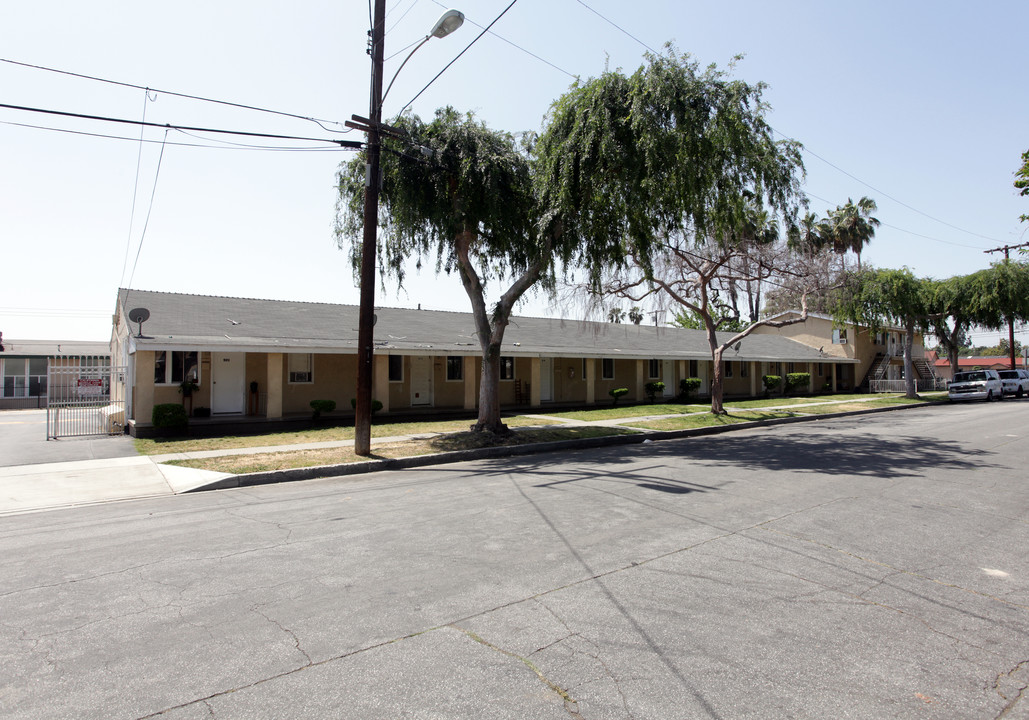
{"x":909,"y":366}
{"x":717,"y":382}
{"x":489,"y":392}
{"x":490,"y":329}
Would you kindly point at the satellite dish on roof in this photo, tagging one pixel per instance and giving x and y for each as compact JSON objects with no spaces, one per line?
{"x":139,"y":315}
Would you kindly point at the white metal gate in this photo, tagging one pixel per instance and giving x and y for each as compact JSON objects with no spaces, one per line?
{"x":84,"y":399}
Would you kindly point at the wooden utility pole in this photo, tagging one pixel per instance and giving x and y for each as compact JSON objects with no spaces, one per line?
{"x":1006,"y":249}
{"x":366,"y":314}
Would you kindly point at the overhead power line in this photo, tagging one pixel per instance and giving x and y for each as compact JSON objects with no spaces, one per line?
{"x":899,"y":229}
{"x":513,"y":44}
{"x":354,"y":144}
{"x":208,"y":146}
{"x":886,"y":195}
{"x":618,"y":27}
{"x":321,"y":123}
{"x":447,"y":66}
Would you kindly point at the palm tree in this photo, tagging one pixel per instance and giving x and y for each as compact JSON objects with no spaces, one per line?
{"x":615,"y":315}
{"x":811,"y":235}
{"x":852,"y":226}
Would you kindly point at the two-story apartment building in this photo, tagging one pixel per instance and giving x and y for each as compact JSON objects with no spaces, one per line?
{"x":877,"y":355}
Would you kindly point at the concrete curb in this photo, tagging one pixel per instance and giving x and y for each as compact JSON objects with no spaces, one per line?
{"x":370,"y":466}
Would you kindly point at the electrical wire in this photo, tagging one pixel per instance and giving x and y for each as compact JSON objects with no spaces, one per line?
{"x":397,"y":22}
{"x":167,"y":126}
{"x":458,"y":56}
{"x":320,"y":122}
{"x":618,"y":27}
{"x":810,"y":152}
{"x":909,"y":232}
{"x":509,"y":42}
{"x":233,"y":146}
{"x":153,"y":194}
{"x":135,"y":190}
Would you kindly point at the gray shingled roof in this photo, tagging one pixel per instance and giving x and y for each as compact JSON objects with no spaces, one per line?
{"x":54,"y":348}
{"x":226,"y":323}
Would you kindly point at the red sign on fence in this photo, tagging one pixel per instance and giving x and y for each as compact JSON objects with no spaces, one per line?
{"x":91,"y":386}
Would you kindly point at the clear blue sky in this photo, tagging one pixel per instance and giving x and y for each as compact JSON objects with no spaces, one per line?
{"x":921,"y":106}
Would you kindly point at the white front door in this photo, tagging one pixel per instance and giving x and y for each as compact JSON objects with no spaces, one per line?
{"x":421,"y":381}
{"x":228,"y":377}
{"x":669,"y":377}
{"x":546,"y":379}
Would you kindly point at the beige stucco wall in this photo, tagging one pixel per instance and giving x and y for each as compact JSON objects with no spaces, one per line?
{"x":448,"y":393}
{"x":335,"y":378}
{"x":625,"y":377}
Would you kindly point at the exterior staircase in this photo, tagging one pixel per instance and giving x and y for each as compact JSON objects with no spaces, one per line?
{"x":877,"y":371}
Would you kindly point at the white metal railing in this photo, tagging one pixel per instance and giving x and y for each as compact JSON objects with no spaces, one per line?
{"x":85,"y":400}
{"x":895,"y":386}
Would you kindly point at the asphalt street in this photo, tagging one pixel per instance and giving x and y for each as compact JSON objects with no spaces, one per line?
{"x":860,"y":567}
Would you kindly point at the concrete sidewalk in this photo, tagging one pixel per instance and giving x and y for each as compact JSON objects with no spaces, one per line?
{"x":27,"y":488}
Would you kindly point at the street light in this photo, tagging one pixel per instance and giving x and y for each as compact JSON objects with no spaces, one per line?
{"x":450,"y":20}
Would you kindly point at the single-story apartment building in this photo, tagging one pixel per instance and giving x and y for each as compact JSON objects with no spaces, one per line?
{"x":25,"y":364}
{"x":271,"y":358}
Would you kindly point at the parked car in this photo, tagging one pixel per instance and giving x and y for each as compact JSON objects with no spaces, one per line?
{"x":975,"y":385}
{"x":1014,"y":382}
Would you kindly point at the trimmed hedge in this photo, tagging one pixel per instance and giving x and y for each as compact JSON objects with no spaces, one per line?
{"x":169,"y":415}
{"x":797,"y":380}
{"x":616,"y":393}
{"x":688,"y":386}
{"x":771,"y":383}
{"x":653,"y":389}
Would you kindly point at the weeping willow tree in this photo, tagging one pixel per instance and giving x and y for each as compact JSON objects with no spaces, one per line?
{"x":460,"y":194}
{"x":877,"y":297}
{"x":674,"y":175}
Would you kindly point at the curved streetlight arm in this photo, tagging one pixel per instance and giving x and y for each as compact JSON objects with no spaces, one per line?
{"x":427,"y":39}
{"x":448,"y":22}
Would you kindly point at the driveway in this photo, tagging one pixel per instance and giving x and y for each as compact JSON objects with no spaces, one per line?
{"x":23,"y":442}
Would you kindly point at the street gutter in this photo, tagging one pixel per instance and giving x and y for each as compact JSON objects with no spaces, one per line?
{"x":443,"y":458}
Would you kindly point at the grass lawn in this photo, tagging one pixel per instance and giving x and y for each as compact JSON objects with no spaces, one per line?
{"x":630,"y":411}
{"x":689,"y":422}
{"x":160,"y":446}
{"x":263,"y":462}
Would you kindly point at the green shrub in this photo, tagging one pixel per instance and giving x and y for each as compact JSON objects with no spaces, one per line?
{"x":795,"y":381}
{"x":376,"y":405}
{"x":654,"y":389}
{"x":320,"y":406}
{"x":169,"y":415}
{"x":616,"y":393}
{"x":688,"y":386}
{"x":771,"y":383}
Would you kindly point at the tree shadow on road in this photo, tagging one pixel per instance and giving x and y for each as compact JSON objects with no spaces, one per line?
{"x":814,"y":451}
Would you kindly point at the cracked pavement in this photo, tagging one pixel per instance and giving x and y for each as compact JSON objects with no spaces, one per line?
{"x":857,"y":567}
